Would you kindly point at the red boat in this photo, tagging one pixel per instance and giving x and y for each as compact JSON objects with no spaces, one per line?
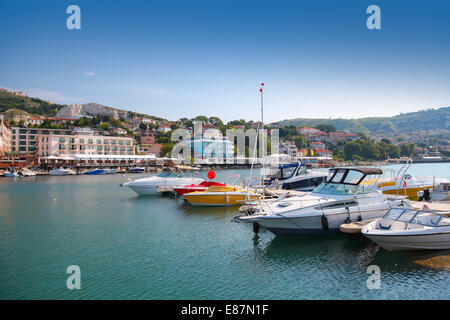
{"x":196,"y":187}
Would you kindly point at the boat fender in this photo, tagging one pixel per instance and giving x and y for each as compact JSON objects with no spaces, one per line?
{"x":426,"y":194}
{"x":324,"y":223}
{"x":348,"y":220}
{"x":255,"y":227}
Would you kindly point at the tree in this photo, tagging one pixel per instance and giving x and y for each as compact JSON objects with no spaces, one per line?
{"x":350,"y":149}
{"x":326,"y":127}
{"x":143,"y":126}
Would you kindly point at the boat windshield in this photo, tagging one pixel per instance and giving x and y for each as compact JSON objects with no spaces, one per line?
{"x":334,"y":188}
{"x":166,"y":174}
{"x":423,"y":218}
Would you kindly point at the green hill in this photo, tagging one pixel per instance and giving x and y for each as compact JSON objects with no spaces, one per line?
{"x":31,"y":105}
{"x":431,"y":119}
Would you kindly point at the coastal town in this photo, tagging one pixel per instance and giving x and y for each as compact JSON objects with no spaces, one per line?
{"x":92,"y":135}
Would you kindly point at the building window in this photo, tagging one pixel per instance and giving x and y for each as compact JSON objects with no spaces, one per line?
{"x":81,"y":140}
{"x":71,"y":140}
{"x":62,"y":147}
{"x":62,"y":140}
{"x":23,"y":149}
{"x":121,"y":142}
{"x":99,"y":148}
{"x":31,"y":137}
{"x":33,"y":131}
{"x":90,"y":141}
{"x":22,"y":137}
{"x":105,"y":141}
{"x":23,"y":143}
{"x":82,"y":147}
{"x":99,"y":141}
{"x":22,"y":131}
{"x":128,"y":143}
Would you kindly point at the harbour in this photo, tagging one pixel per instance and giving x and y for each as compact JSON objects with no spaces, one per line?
{"x":160,"y":247}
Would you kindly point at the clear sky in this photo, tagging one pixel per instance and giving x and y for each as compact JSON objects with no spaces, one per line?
{"x":185,"y":58}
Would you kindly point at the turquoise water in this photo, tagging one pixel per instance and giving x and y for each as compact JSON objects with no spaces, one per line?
{"x":131,"y":247}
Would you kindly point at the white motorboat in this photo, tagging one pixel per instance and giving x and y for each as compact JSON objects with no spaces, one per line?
{"x":410,"y":229}
{"x":341,"y":199}
{"x":25,"y":172}
{"x":440,"y":192}
{"x":59,"y":172}
{"x":295,"y":176}
{"x":136,"y":170}
{"x":151,"y":185}
{"x":11,"y":174}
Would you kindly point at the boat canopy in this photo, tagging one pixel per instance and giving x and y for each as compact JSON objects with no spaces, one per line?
{"x":366,"y":171}
{"x":352,"y":176}
{"x":289,"y":165}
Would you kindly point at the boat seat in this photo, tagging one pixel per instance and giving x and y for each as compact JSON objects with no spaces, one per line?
{"x":385,"y":224}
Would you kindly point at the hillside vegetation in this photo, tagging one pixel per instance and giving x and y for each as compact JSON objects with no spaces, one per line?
{"x":31,"y":105}
{"x":431,"y":119}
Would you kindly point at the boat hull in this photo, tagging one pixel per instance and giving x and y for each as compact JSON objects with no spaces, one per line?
{"x":435,"y":241}
{"x":151,"y":186}
{"x":312,"y":223}
{"x":96,"y":172}
{"x":217,"y":199}
{"x":59,"y":173}
{"x":11,"y":175}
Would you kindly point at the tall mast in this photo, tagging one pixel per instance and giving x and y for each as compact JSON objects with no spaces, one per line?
{"x":256,"y":140}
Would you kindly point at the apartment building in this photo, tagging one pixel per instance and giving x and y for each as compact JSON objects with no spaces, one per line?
{"x":5,"y":137}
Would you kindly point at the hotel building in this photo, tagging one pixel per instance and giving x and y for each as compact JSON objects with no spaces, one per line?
{"x":82,"y":142}
{"x":23,"y":140}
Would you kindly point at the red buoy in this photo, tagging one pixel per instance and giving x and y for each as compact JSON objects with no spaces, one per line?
{"x":211,"y":175}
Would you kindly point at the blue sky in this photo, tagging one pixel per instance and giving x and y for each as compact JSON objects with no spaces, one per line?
{"x":185,"y":58}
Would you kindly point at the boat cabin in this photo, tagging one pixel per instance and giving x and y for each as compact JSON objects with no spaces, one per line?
{"x":343,"y":181}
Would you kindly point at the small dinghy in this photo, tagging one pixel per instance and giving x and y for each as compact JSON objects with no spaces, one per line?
{"x":410,"y":229}
{"x":353,"y":227}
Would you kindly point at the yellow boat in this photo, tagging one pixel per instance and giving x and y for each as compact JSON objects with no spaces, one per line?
{"x":220,"y":196}
{"x":409,"y":186}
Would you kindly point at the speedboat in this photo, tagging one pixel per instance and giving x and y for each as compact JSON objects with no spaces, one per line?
{"x":408,"y":186}
{"x":220,"y":196}
{"x":410,"y":229}
{"x":111,"y":171}
{"x":25,"y":172}
{"x":136,"y":170}
{"x":11,"y":174}
{"x":341,"y":199}
{"x":196,"y":187}
{"x":151,"y":185}
{"x":59,"y":172}
{"x":295,"y":176}
{"x":96,"y":172}
{"x":438,"y":193}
